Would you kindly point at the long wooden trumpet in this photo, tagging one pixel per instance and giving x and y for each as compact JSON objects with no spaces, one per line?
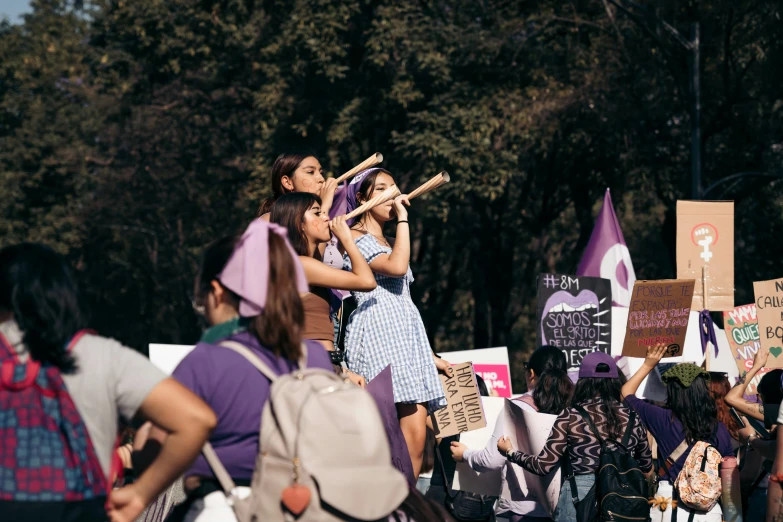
{"x":387,"y":195}
{"x":432,"y":184}
{"x":366,"y":164}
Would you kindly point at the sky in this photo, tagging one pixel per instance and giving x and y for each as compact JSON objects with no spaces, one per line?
{"x":13,"y":8}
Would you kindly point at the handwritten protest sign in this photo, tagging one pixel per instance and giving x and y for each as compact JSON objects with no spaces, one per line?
{"x":529,"y":431}
{"x":486,"y":482}
{"x":705,"y":252}
{"x":769,"y":311}
{"x":658,"y":313}
{"x":489,"y":363}
{"x":742,"y":331}
{"x":382,"y":391}
{"x":575,"y":315}
{"x":464,"y":411}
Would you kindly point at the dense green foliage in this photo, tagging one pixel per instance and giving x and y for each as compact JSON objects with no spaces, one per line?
{"x":134,"y":132}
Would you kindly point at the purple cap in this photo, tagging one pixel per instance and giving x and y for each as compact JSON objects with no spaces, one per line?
{"x":590,"y":364}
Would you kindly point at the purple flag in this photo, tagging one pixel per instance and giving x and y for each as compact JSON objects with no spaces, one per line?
{"x":607,"y":255}
{"x":382,"y":391}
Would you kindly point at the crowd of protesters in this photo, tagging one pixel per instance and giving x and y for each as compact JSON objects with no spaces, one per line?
{"x":90,"y":430}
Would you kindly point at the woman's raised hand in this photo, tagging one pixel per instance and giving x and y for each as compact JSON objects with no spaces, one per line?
{"x":341,"y":230}
{"x":400,"y":202}
{"x":760,"y":359}
{"x":654,"y":355}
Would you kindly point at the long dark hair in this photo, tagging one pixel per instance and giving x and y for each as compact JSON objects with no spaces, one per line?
{"x":719,"y":387}
{"x":607,"y":392}
{"x":285,"y":165}
{"x":769,"y":389}
{"x":289,"y":211}
{"x":39,"y":289}
{"x":553,"y":391}
{"x":279,"y":327}
{"x":366,"y":188}
{"x":694,"y":407}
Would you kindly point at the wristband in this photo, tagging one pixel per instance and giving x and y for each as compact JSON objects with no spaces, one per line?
{"x":403,"y":221}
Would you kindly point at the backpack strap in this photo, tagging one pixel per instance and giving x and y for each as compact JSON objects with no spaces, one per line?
{"x":77,"y":337}
{"x":629,"y":429}
{"x":220,"y":471}
{"x":675,"y":455}
{"x":256,"y":361}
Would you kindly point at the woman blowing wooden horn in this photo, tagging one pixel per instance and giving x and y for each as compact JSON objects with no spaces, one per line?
{"x":386,"y":328}
{"x":298,"y":172}
{"x":308,"y":230}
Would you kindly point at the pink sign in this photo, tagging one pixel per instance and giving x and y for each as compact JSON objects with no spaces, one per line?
{"x":496,"y":376}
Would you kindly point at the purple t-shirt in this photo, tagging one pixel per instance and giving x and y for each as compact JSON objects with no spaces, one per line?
{"x":669,"y":433}
{"x":237,"y":392}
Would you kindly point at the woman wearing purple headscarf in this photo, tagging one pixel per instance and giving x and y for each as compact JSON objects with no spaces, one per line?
{"x":248,"y":289}
{"x":386,"y":328}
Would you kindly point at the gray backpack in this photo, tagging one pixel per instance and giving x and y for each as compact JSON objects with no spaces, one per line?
{"x":320,"y":435}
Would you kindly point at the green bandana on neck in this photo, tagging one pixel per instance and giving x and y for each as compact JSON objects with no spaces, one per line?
{"x":224,"y":330}
{"x":684,"y":373}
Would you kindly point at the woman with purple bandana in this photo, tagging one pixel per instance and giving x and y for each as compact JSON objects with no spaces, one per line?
{"x":248,"y":289}
{"x":386,"y":328}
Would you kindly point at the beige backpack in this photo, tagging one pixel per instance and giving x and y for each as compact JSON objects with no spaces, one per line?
{"x":323,"y":453}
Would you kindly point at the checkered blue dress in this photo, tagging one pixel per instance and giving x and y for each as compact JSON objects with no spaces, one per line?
{"x":385,"y":329}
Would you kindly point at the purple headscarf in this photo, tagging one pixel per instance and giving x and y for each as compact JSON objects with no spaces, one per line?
{"x":348,"y":194}
{"x":247,"y":271}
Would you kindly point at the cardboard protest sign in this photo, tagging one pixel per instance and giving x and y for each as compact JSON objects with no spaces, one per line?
{"x":464,"y":411}
{"x":382,"y":391}
{"x":529,"y":431}
{"x":659,"y":313}
{"x":769,"y":311}
{"x":575,"y":315}
{"x":705,"y":252}
{"x":480,"y":482}
{"x":742,"y":331}
{"x":489,"y":363}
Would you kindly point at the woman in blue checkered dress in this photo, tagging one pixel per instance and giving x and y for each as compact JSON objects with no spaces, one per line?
{"x":386,"y":328}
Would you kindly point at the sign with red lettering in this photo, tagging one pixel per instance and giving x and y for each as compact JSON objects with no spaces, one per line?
{"x":769,"y":311}
{"x":658,"y":313}
{"x":464,"y":411}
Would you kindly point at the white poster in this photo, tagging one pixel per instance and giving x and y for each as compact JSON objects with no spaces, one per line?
{"x":168,"y":356}
{"x":481,"y":483}
{"x":529,"y":432}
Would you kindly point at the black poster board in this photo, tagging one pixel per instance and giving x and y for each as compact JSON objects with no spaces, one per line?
{"x":574,"y":313}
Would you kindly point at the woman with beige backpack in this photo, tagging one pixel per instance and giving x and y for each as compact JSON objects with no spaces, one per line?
{"x":293,"y":440}
{"x":694,"y":448}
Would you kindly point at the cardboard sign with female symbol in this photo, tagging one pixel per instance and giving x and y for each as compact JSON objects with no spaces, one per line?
{"x":705,"y":252}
